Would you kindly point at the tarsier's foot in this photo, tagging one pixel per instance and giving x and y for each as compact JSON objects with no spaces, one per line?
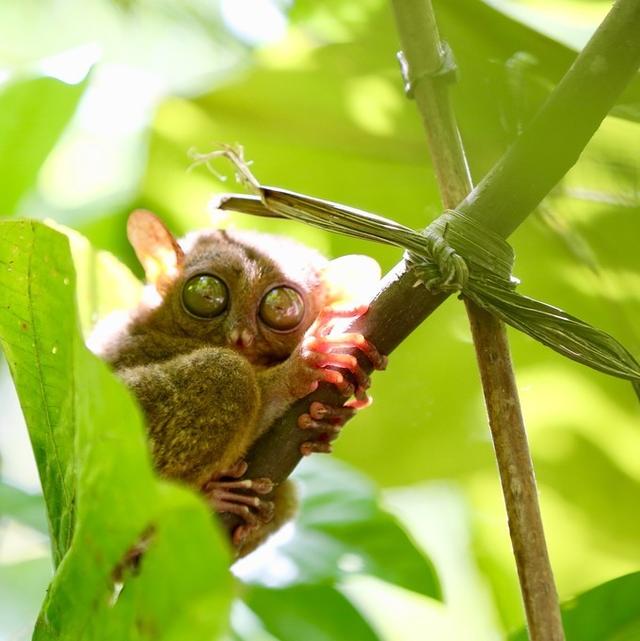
{"x":240,"y":497}
{"x":322,"y":349}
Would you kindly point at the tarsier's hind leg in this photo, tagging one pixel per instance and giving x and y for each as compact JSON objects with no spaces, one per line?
{"x":202,"y":414}
{"x":201,"y":410}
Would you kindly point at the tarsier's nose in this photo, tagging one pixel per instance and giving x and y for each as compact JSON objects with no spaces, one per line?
{"x":240,"y":338}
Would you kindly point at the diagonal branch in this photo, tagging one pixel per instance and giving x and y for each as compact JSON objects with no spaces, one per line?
{"x":590,"y":89}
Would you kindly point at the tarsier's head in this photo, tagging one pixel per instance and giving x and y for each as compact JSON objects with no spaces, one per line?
{"x":254,"y":293}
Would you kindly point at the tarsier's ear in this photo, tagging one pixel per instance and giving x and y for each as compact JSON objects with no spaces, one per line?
{"x":155,"y":247}
{"x":351,"y":280}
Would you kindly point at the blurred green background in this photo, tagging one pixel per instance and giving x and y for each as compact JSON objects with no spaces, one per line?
{"x":100,"y":103}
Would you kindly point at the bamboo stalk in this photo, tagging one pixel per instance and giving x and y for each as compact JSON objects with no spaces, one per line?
{"x":423,"y":51}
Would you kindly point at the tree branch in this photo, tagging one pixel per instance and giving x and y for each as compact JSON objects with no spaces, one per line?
{"x":399,"y":308}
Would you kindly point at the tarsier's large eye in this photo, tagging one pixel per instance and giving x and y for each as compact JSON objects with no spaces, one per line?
{"x":205,"y":296}
{"x":282,"y":308}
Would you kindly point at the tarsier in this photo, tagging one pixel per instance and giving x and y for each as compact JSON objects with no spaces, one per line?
{"x":239,"y":326}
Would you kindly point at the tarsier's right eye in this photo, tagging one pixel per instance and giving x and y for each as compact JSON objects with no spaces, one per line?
{"x":205,"y":296}
{"x":282,"y":309}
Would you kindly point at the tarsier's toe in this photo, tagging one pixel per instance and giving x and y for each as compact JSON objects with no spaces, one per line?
{"x":241,"y":498}
{"x":241,"y":533}
{"x":326,"y":421}
{"x":310,"y":447}
{"x":236,"y":470}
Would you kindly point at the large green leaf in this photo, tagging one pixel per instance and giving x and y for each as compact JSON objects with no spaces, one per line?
{"x":309,"y":612}
{"x":33,"y":114}
{"x":94,"y":456}
{"x":37,"y":325}
{"x":608,"y":612}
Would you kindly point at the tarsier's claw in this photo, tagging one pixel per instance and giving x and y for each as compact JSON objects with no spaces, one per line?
{"x":359,"y":403}
{"x":354,"y":340}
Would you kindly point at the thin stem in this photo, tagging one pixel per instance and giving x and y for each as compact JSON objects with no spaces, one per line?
{"x":421,"y":45}
{"x":516,"y":476}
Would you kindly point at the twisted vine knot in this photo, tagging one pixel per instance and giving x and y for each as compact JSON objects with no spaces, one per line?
{"x":458,"y":248}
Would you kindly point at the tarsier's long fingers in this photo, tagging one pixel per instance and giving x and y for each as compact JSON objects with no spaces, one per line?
{"x":320,"y":350}
{"x":327,"y":318}
{"x":261,"y":485}
{"x":327,"y":421}
{"x":354,"y":340}
{"x":322,"y":356}
{"x":332,"y":376}
{"x":324,"y":348}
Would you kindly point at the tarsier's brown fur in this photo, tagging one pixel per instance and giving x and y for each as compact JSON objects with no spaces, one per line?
{"x":210,"y":387}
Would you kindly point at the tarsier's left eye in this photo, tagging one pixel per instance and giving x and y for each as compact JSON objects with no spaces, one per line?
{"x":205,"y":296}
{"x":282,"y":308}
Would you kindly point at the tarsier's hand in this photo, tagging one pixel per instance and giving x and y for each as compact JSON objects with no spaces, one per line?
{"x":323,"y":353}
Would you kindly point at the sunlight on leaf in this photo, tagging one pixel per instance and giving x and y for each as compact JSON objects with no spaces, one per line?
{"x":26,"y":142}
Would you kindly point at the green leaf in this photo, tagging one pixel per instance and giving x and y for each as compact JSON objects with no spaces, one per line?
{"x":343,"y":507}
{"x":28,"y":509}
{"x":342,"y":521}
{"x":96,"y":450}
{"x":37,"y":322}
{"x":33,"y":115}
{"x":309,"y":612}
{"x":608,"y":612}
